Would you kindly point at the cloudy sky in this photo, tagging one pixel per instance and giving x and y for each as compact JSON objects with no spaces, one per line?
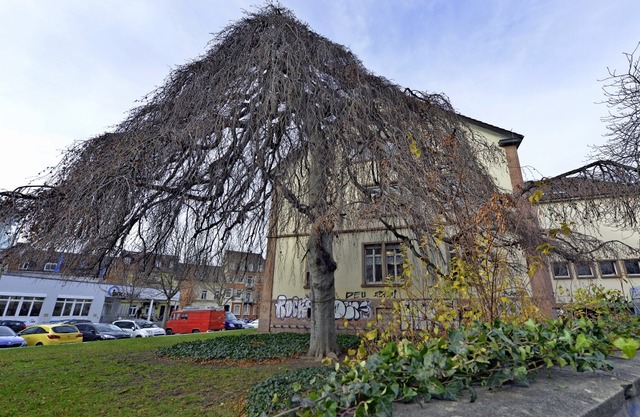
{"x":71,"y":69}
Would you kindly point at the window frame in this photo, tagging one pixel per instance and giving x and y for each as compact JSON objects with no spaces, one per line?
{"x":592,"y":274}
{"x":626,"y":269}
{"x":71,"y":306}
{"x":18,"y":304}
{"x":566,"y":265}
{"x":50,"y":267}
{"x":384,"y":247}
{"x":616,"y":269}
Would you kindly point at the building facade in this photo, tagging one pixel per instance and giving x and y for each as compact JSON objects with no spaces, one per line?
{"x":38,"y":288}
{"x":365,"y":254}
{"x":235,"y":285}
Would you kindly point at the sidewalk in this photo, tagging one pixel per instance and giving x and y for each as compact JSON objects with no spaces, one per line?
{"x":562,"y":393}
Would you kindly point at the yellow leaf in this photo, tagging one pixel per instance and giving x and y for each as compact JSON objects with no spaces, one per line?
{"x":371,"y":335}
{"x":536,"y":196}
{"x":415,"y":150}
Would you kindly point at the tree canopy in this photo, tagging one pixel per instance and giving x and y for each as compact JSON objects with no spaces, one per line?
{"x":273,"y":121}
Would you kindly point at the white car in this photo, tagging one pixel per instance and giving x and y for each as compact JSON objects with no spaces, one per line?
{"x":140,"y":328}
{"x":252,"y":324}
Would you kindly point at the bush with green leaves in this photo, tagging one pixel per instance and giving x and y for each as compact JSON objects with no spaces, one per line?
{"x":278,"y":393}
{"x":256,"y":346}
{"x":443,"y":368}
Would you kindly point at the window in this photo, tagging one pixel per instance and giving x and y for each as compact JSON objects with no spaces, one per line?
{"x":632,"y":266}
{"x":11,"y":308}
{"x":307,"y":280}
{"x":25,"y":265}
{"x":246,"y":309}
{"x":249,"y":282}
{"x":228,"y":293}
{"x":236,"y":309}
{"x":125,"y":325}
{"x":72,"y":306}
{"x":203,"y":295}
{"x":608,"y":269}
{"x":382,"y":261}
{"x":20,"y":306}
{"x":584,"y":270}
{"x":375,"y":191}
{"x":50,"y":266}
{"x":560,"y":270}
{"x":158,"y":263}
{"x":238,"y":293}
{"x":127,"y":260}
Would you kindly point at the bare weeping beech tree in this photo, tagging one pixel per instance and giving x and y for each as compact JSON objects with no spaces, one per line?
{"x":274,"y":121}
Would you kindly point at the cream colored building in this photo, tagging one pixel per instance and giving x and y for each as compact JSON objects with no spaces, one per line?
{"x":364,"y":253}
{"x":614,"y":267}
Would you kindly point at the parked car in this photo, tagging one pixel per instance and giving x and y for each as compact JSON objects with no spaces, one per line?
{"x":231,"y":322}
{"x":101,"y":331}
{"x":76,"y":321}
{"x":252,"y":324}
{"x":51,"y":334}
{"x":15,"y":325}
{"x":9,"y":338}
{"x":140,"y":328}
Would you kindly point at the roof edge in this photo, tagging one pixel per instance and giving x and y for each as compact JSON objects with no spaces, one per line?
{"x":512,"y":138}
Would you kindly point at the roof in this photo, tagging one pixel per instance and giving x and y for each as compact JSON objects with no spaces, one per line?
{"x":599,"y":179}
{"x":231,"y":255}
{"x":511,"y":137}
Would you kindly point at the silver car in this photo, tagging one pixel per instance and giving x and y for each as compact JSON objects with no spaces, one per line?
{"x":140,"y":327}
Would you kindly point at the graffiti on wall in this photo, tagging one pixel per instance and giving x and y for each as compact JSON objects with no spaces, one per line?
{"x":353,"y":309}
{"x":293,"y":307}
{"x":300,"y":308}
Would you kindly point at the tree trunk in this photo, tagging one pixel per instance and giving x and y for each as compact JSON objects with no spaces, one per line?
{"x":320,"y":263}
{"x":321,"y":270}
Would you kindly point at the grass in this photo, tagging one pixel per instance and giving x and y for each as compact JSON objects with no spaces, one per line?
{"x":126,"y":378}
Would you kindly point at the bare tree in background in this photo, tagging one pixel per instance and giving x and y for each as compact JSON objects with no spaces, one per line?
{"x":622,"y":90}
{"x":215,"y":281}
{"x":132,"y":278}
{"x":181,"y":266}
{"x":607,"y":190}
{"x":274,"y":120}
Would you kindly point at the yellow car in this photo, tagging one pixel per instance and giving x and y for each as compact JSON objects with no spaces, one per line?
{"x":51,"y":334}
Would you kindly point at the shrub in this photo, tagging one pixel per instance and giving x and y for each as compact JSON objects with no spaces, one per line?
{"x":489,"y":354}
{"x":258,"y":346}
{"x":277,"y":393}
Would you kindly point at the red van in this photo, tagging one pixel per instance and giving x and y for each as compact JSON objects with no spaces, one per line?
{"x":195,"y":321}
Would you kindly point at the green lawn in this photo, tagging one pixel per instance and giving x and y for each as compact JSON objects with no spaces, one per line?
{"x":124,"y":378}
